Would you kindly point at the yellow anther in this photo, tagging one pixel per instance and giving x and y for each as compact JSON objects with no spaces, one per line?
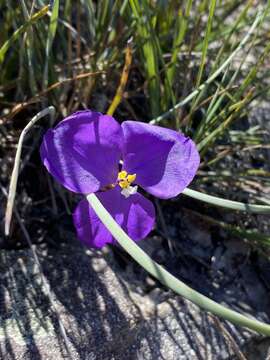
{"x":123,"y":184}
{"x":131,"y":178}
{"x":124,"y":180}
{"x":122,"y":175}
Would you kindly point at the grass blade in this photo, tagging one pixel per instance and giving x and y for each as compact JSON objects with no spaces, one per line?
{"x":206,"y":41}
{"x":51,"y":35}
{"x":257,"y":20}
{"x":149,"y":55}
{"x":21,"y":31}
{"x":182,"y":25}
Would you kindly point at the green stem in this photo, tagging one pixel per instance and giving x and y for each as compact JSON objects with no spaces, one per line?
{"x":168,"y":279}
{"x":229,"y":204}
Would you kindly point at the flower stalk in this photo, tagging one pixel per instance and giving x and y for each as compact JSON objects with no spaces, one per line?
{"x":168,"y":279}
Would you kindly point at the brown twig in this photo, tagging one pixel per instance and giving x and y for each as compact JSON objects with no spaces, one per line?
{"x":228,"y":338}
{"x":123,"y":80}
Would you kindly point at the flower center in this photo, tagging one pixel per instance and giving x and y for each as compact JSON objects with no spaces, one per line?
{"x":124,"y":181}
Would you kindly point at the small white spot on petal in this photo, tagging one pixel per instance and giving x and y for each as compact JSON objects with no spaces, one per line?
{"x":130,"y":190}
{"x":133,"y":189}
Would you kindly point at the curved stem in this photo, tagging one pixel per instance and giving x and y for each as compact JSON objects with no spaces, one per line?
{"x":15,"y":172}
{"x":168,"y":279}
{"x":229,"y":204}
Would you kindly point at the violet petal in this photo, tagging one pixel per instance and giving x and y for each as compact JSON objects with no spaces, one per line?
{"x":164,"y":160}
{"x":136,"y":215}
{"x":83,"y":151}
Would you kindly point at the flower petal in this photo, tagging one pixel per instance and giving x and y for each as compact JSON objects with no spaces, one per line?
{"x":136,"y":215}
{"x":164,"y":160}
{"x":83,"y":151}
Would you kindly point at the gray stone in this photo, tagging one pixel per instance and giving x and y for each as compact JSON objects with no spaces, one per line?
{"x":104,"y":315}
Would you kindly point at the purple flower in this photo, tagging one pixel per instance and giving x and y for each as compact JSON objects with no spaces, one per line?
{"x":89,"y":152}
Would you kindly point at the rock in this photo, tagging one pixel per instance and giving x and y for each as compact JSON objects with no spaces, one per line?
{"x":103,"y":314}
